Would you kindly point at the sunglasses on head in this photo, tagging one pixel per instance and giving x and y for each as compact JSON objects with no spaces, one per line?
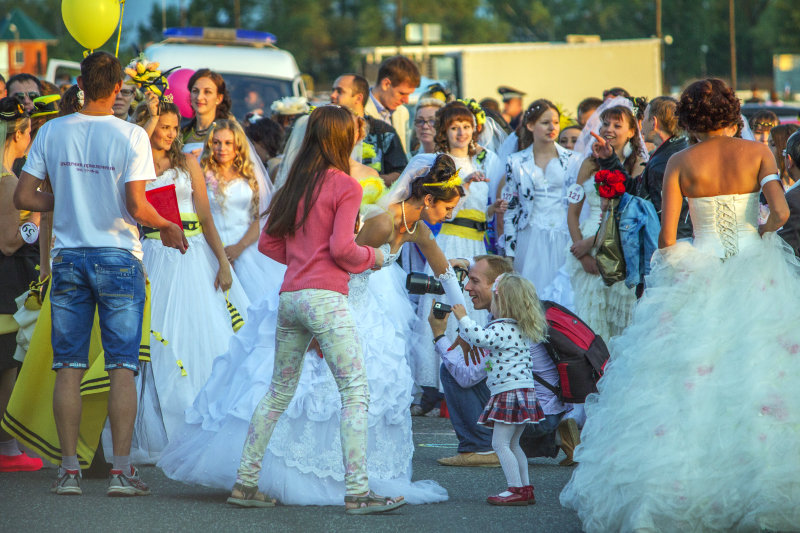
{"x":31,"y":95}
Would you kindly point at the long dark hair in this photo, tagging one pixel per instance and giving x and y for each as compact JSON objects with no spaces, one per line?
{"x":328,"y":142}
{"x":224,"y":107}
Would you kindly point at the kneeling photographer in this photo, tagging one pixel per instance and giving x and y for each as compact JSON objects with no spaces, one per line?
{"x":465,"y":387}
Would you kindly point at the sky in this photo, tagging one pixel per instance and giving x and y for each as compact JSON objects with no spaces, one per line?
{"x":137,"y":11}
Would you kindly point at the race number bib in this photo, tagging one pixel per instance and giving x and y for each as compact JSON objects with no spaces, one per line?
{"x":575,"y":194}
{"x":30,"y":232}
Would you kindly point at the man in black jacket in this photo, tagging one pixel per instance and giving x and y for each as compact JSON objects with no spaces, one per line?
{"x":660,"y":127}
{"x":790,"y":232}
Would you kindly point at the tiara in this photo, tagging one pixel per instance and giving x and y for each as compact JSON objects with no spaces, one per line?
{"x":451,"y":183}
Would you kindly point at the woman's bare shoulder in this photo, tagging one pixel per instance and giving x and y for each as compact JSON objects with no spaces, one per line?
{"x":588,"y":167}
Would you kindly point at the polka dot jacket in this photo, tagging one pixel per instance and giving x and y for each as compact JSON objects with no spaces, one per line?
{"x":508,"y":365}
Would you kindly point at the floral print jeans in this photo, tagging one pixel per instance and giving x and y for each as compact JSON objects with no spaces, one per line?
{"x":325,"y":315}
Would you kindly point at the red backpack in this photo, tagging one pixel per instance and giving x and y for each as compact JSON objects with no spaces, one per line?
{"x":579,"y":354}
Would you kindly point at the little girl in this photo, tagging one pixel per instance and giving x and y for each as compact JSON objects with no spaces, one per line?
{"x":519,"y":323}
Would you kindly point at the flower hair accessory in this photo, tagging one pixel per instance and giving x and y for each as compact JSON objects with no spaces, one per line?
{"x":451,"y":183}
{"x":373,"y":189}
{"x":609,"y":183}
{"x":290,"y":105}
{"x":497,"y":282}
{"x":477,"y":110}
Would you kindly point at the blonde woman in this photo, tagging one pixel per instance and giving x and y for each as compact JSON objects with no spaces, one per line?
{"x":237,"y":198}
{"x":18,"y":262}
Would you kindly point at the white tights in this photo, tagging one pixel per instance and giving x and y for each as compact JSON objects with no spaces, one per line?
{"x":505,"y":442}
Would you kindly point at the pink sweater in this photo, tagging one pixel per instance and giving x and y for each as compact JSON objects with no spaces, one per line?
{"x":323,"y":252}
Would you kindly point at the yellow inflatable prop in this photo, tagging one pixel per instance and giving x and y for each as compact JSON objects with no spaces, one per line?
{"x":91,"y":22}
{"x":29,"y":416}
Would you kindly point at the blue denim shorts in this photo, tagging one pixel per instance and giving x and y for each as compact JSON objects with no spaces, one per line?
{"x":110,"y":280}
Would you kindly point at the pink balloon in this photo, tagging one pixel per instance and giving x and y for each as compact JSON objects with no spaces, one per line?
{"x":178,"y":88}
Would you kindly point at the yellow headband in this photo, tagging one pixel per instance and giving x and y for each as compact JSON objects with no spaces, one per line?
{"x":452,"y":182}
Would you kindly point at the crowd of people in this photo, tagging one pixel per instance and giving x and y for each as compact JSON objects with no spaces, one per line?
{"x":260,"y":332}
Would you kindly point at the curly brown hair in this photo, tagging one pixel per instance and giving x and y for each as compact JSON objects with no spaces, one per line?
{"x":708,"y":105}
{"x":454,"y":112}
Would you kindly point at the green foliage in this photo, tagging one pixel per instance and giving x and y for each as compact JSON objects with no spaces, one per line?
{"x":324,"y":34}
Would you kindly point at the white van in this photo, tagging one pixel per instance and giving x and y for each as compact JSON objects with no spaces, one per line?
{"x":256,"y":72}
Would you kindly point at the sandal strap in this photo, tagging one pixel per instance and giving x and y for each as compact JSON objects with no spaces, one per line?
{"x":249,"y":491}
{"x":370,"y":497}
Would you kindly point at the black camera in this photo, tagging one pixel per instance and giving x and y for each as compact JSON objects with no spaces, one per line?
{"x":440,"y":310}
{"x":419,"y":283}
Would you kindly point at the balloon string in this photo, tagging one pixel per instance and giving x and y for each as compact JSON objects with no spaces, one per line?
{"x":119,"y":33}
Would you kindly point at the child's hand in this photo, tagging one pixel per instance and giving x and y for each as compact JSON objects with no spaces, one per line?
{"x":459,"y":311}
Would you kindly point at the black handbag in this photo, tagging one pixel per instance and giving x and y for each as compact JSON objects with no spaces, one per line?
{"x":610,"y":259}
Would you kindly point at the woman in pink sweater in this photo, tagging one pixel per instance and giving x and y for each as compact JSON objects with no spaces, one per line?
{"x":310,"y":229}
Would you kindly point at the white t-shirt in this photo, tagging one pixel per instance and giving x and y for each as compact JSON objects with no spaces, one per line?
{"x":89,"y":159}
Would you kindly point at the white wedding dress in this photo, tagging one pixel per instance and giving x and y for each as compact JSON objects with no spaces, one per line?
{"x":696,"y":426}
{"x":193,"y":319}
{"x":303,"y":462}
{"x":231,"y":209}
{"x":607,"y":310}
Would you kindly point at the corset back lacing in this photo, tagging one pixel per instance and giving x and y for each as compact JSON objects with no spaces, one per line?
{"x":726,"y":225}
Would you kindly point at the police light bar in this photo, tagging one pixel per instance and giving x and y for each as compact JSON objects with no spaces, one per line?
{"x":231,"y":35}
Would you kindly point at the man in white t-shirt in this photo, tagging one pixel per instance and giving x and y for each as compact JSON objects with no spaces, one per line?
{"x":98,"y":167}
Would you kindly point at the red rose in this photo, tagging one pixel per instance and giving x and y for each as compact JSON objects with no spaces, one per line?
{"x":599,"y":177}
{"x":606,"y":191}
{"x":615,"y":177}
{"x":620,"y":188}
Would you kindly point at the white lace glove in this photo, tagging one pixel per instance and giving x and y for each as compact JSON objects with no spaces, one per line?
{"x":452,"y":289}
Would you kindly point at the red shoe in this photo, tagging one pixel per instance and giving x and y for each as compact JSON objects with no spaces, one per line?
{"x":19,"y":463}
{"x":528,"y":491}
{"x":518,"y":496}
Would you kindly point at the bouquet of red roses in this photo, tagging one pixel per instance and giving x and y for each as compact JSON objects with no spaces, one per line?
{"x":609,"y":183}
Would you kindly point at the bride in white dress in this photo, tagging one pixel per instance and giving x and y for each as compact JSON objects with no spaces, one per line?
{"x":696,"y":426}
{"x":238,"y":194}
{"x":607,"y":310}
{"x":303,"y":463}
{"x":188,"y":307}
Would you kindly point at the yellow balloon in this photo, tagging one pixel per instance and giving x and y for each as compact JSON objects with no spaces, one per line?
{"x":90,"y":22}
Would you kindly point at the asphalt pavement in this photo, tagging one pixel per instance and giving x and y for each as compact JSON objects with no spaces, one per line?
{"x":26,"y":505}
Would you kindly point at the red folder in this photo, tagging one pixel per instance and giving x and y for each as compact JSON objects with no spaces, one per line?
{"x":165,"y":201}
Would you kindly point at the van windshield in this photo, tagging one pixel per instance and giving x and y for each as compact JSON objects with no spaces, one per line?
{"x":254,"y":93}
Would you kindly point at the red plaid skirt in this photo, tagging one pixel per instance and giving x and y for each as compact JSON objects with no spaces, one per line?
{"x":518,"y":406}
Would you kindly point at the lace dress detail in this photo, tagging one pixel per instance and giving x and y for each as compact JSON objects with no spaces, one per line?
{"x":726,"y":225}
{"x":359,"y":283}
{"x":447,"y":275}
